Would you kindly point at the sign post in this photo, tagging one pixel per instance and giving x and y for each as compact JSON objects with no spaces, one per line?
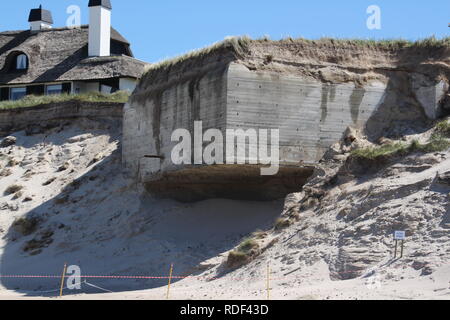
{"x":170,"y":280}
{"x":62,"y":280}
{"x":268,"y":281}
{"x":399,"y":236}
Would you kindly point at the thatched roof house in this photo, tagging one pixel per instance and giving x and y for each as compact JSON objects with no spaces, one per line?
{"x":43,"y":60}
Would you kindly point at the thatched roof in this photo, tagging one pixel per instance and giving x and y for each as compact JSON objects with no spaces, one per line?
{"x":62,"y":55}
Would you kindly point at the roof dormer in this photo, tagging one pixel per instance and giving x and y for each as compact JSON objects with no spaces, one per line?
{"x":16,"y":61}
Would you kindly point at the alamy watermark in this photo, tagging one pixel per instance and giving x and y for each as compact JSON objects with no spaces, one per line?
{"x":238,"y":147}
{"x":73,"y":274}
{"x":74,"y":19}
{"x":374,"y":19}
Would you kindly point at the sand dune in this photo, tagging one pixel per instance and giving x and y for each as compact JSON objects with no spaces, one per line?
{"x":75,"y":206}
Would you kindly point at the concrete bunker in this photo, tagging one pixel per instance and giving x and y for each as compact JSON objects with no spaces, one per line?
{"x":311,"y":91}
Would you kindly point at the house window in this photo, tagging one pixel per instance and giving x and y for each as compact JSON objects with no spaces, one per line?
{"x":21,"y":62}
{"x":53,"y":89}
{"x":17,"y":93}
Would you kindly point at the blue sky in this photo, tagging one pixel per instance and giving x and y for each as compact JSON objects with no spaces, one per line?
{"x":162,"y":29}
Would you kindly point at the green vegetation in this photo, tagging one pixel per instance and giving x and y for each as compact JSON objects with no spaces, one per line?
{"x":247,"y":245}
{"x":238,"y":44}
{"x":282,"y":223}
{"x":237,"y":259}
{"x":259,"y":234}
{"x":31,"y":101}
{"x":386,"y":150}
{"x":243,"y":253}
{"x":391,"y":44}
{"x":443,"y":128}
{"x":437,"y":142}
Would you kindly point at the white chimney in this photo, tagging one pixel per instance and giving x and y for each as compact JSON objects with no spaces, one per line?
{"x":99,"y":28}
{"x":40,"y":19}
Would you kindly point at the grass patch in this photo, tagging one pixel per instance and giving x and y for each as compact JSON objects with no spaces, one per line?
{"x":243,"y":254}
{"x":25,"y":226}
{"x":236,"y":259}
{"x":438,"y":142}
{"x":240,"y":46}
{"x":259,"y":234}
{"x":388,"y":44}
{"x":237,"y":44}
{"x":282,"y":223}
{"x":247,"y":245}
{"x":32,"y":100}
{"x":386,"y":150}
{"x":12,"y":189}
{"x":443,"y":128}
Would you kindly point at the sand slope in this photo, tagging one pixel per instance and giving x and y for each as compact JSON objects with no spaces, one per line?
{"x":86,"y":213}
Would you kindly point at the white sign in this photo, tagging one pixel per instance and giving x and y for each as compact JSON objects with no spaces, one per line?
{"x":399,"y":235}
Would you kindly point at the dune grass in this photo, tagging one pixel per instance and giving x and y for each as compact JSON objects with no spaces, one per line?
{"x":443,"y":128}
{"x":243,"y":253}
{"x":438,"y":142}
{"x":12,"y":189}
{"x":241,"y":45}
{"x":282,"y":223}
{"x":246,"y":245}
{"x":32,"y":100}
{"x":372,"y":153}
{"x":430,"y":42}
{"x":25,"y":226}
